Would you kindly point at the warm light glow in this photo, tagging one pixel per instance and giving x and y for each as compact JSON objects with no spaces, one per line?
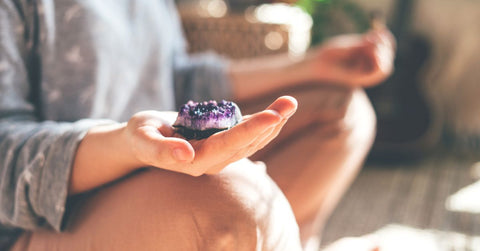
{"x":250,"y":14}
{"x":465,"y":200}
{"x":274,"y":40}
{"x":399,"y":237}
{"x":298,"y":22}
{"x":402,"y":238}
{"x":213,"y":8}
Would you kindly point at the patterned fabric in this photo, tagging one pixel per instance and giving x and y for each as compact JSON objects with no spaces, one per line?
{"x":68,"y":65}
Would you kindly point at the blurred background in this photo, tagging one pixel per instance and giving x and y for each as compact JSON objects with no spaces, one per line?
{"x":418,"y":189}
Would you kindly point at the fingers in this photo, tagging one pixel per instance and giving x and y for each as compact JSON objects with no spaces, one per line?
{"x":268,"y":138}
{"x":373,"y":59}
{"x":163,"y":150}
{"x":214,"y":153}
{"x":242,"y":134}
{"x":155,"y":143}
{"x":285,"y":106}
{"x":225,"y":147}
{"x":383,"y":36}
{"x":385,"y":47}
{"x":281,"y":108}
{"x":244,"y":153}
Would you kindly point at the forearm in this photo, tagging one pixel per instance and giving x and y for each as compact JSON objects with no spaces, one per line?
{"x":260,"y":76}
{"x":102,"y":156}
{"x":348,"y":61}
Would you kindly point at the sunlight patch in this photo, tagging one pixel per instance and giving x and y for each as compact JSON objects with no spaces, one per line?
{"x":465,"y":200}
{"x":401,"y":238}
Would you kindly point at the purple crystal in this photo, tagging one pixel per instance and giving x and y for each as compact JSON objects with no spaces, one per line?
{"x":200,"y":120}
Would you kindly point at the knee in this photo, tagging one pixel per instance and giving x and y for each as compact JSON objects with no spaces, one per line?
{"x":337,"y":111}
{"x":354,"y":122}
{"x":359,"y":121}
{"x":230,"y":211}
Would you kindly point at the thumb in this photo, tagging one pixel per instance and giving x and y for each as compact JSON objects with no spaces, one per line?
{"x":167,"y":150}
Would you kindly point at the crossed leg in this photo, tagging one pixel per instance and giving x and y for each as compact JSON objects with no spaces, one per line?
{"x":239,"y":209}
{"x":313,"y":161}
{"x":320,"y":151}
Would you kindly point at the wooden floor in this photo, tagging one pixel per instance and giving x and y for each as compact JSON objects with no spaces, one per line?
{"x":411,"y":207}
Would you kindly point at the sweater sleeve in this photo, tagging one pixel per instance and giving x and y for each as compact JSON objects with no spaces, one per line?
{"x":199,"y":77}
{"x":36,"y":157}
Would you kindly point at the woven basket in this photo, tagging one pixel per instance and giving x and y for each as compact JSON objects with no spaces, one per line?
{"x":234,"y":36}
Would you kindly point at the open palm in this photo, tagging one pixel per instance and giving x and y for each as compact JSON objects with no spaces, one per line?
{"x":154,"y":142}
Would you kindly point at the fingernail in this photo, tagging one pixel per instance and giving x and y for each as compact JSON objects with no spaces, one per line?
{"x":279,"y":116}
{"x":290,"y":113}
{"x":179,"y":154}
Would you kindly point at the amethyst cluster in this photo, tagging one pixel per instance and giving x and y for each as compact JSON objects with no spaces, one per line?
{"x":200,"y":120}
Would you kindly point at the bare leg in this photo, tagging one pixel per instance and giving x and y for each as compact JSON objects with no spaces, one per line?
{"x":320,"y":151}
{"x":239,"y":209}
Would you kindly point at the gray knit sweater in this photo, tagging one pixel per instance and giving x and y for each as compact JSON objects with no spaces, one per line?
{"x":67,"y":65}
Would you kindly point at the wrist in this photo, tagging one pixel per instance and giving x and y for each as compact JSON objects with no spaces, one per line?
{"x":129,"y":158}
{"x":309,"y":67}
{"x":121,"y":151}
{"x":102,"y":156}
{"x":317,"y":66}
{"x":297,"y":70}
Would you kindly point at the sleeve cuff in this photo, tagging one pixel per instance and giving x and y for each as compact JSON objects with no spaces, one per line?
{"x":55,"y":178}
